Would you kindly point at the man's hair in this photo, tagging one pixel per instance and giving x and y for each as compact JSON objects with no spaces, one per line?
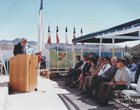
{"x":101,"y":58}
{"x":78,"y":56}
{"x":107,"y":58}
{"x":114,"y":58}
{"x":89,"y":59}
{"x":96,"y":56}
{"x":132,"y":58}
{"x":23,"y":39}
{"x":85,"y":56}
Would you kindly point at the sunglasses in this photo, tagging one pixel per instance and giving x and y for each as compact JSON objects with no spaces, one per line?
{"x":105,"y":60}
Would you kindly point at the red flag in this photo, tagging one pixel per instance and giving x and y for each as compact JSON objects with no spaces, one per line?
{"x":49,"y":36}
{"x":57,"y":38}
{"x":74,"y":35}
{"x":81,"y":35}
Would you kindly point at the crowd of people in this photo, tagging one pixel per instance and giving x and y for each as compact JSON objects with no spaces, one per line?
{"x":98,"y":77}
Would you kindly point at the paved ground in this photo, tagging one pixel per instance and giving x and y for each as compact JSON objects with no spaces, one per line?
{"x":52,"y":95}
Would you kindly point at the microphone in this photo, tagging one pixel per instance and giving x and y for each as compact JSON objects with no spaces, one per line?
{"x":37,"y":53}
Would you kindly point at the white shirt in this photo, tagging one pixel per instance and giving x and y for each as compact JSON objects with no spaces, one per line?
{"x":102,"y":71}
{"x":24,"y":47}
{"x":83,"y":65}
{"x":133,"y":68}
{"x":122,"y":75}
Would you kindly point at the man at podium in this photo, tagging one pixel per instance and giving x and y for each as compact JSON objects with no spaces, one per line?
{"x":20,"y":48}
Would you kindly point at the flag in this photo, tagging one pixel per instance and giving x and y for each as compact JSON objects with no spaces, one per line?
{"x":40,"y":42}
{"x":57,"y":38}
{"x":74,"y":35}
{"x":49,"y":36}
{"x":66,"y":36}
{"x":81,"y":35}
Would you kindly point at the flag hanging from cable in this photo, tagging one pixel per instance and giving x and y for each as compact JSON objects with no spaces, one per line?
{"x":40,"y":42}
{"x":57,"y":38}
{"x":74,"y":35}
{"x":66,"y":36}
{"x":81,"y":35}
{"x":49,"y":36}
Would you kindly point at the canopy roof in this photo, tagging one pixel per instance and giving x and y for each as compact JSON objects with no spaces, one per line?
{"x":125,"y":32}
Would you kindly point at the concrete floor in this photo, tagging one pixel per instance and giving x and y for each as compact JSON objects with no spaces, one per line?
{"x":52,"y":95}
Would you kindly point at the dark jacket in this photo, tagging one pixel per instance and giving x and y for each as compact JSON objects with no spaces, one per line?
{"x":78,"y":64}
{"x":18,"y":49}
{"x":110,"y":73}
{"x":86,"y":68}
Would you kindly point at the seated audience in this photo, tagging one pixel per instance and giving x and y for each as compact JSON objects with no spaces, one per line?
{"x":119,"y":82}
{"x":84,"y":72}
{"x":107,"y":76}
{"x":127,"y":61}
{"x":132,"y":66}
{"x":73,"y":71}
{"x":96,"y":58}
{"x":77,"y":72}
{"x":105,"y":66}
{"x":94,"y":71}
{"x":135,"y":60}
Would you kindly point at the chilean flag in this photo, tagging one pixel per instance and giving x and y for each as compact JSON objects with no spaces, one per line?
{"x":49,"y":36}
{"x":74,"y":35}
{"x":81,"y":35}
{"x":57,"y":38}
{"x":40,"y":41}
{"x":66,"y":36}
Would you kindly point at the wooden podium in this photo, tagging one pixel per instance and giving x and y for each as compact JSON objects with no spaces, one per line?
{"x":23,"y":73}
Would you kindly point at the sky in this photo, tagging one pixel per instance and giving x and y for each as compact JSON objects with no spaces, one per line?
{"x":19,"y":18}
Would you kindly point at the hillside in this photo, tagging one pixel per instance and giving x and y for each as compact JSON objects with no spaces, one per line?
{"x":9,"y":45}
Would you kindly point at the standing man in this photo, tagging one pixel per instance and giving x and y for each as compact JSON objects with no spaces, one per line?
{"x":20,"y":48}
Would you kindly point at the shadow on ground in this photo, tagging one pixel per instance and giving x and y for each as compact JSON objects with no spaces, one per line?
{"x":73,"y":99}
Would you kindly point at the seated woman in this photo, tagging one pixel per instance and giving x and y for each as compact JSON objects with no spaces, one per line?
{"x":87,"y":72}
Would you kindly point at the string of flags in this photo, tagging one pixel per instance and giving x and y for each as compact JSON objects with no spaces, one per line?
{"x":66,"y":37}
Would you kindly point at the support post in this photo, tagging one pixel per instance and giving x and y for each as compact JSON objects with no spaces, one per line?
{"x":113,"y":51}
{"x":100,"y":47}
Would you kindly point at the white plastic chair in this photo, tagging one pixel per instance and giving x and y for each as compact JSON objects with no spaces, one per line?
{"x":128,"y":87}
{"x":133,"y":85}
{"x":131,"y":94}
{"x":133,"y":74}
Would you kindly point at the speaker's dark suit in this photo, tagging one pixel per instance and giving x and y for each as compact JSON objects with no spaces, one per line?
{"x":18,"y":49}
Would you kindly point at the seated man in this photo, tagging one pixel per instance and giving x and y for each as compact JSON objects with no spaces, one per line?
{"x":84,"y":73}
{"x":78,"y":70}
{"x":78,"y":64}
{"x":106,"y":77}
{"x":89,"y":79}
{"x":132,"y":66}
{"x":105,"y":66}
{"x":119,"y":82}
